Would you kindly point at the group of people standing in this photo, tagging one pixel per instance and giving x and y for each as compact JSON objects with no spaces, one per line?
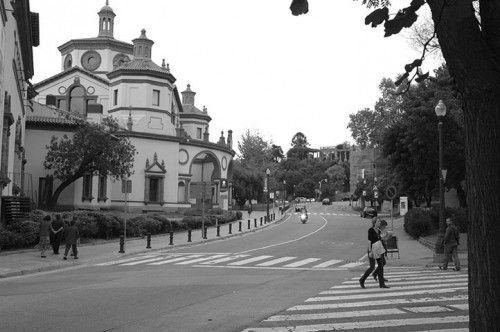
{"x":54,"y":231}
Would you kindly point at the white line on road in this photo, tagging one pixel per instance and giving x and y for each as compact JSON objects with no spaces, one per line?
{"x":250,"y":260}
{"x":363,"y":325}
{"x":350,"y":265}
{"x":143,"y":261}
{"x":125,"y":260}
{"x":197,"y":260}
{"x":174,"y":260}
{"x":428,"y":309}
{"x":410,"y":280}
{"x":381,"y":290}
{"x":225,"y":259}
{"x":388,"y":294}
{"x":302,"y":262}
{"x":377,"y":303}
{"x":464,"y":306}
{"x":447,"y":330}
{"x":327,"y":263}
{"x":276,"y":261}
{"x":271,"y":268}
{"x":335,"y":315}
{"x":418,"y":282}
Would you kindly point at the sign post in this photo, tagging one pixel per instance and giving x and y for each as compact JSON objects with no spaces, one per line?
{"x":126,"y":189}
{"x":391,"y":193}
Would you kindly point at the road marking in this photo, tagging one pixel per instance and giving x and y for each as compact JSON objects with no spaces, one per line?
{"x":191,"y":261}
{"x":377,"y":303}
{"x":464,"y":306}
{"x":447,"y":330}
{"x":327,"y":263}
{"x":350,"y":265}
{"x":270,"y":268}
{"x":286,"y":242}
{"x":143,"y":261}
{"x":276,"y":261}
{"x":174,"y":260}
{"x":302,"y":262}
{"x":250,"y":260}
{"x":335,"y":315}
{"x":363,"y":325}
{"x":226,"y":259}
{"x":125,"y":260}
{"x":377,"y":290}
{"x":391,"y":294}
{"x":418,"y":282}
{"x":413,"y":279}
{"x":429,"y":309}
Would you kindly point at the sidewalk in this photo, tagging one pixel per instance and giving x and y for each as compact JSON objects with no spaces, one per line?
{"x":27,"y":261}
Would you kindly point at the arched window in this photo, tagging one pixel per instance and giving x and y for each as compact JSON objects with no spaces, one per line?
{"x":77,"y":102}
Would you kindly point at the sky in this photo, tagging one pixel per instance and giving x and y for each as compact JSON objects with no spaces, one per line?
{"x":253,"y":64}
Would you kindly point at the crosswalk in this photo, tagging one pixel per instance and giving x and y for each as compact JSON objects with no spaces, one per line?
{"x":235,"y":260}
{"x":418,"y":300}
{"x":330,"y":214}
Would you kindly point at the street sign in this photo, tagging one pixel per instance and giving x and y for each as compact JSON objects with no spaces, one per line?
{"x":391,"y":192}
{"x":375,"y":194}
{"x":443,"y":172}
{"x":223,"y":185}
{"x":126,"y":186}
{"x":271,"y":195}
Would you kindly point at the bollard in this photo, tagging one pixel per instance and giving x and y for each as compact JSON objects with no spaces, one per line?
{"x":122,"y":244}
{"x":171,"y":243}
{"x":248,"y":223}
{"x":230,"y":228}
{"x":240,"y":226}
{"x":260,"y":221}
{"x":255,"y":222}
{"x":218,"y":230}
{"x":189,"y":235}
{"x":274,"y":216}
{"x":148,"y":241}
{"x":205,"y":233}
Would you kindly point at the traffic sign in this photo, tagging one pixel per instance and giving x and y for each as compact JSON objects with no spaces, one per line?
{"x":391,"y":192}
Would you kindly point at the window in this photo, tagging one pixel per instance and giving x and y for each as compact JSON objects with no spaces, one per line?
{"x":44,"y":190}
{"x":156,"y":97}
{"x":77,"y":102}
{"x":198,"y":133}
{"x":87,"y":187}
{"x":154,"y":189}
{"x":115,"y":97}
{"x":102,"y":188}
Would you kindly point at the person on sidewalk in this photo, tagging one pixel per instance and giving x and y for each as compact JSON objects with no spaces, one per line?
{"x":374,"y":254}
{"x":44,"y":235}
{"x":249,"y":208}
{"x":72,"y":236}
{"x":56,"y":233}
{"x":450,"y":242}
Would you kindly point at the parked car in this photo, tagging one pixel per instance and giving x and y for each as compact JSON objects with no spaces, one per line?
{"x":346,"y":198}
{"x":326,"y":201}
{"x":368,"y":212}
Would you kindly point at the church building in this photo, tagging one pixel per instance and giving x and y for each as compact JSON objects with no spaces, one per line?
{"x":176,"y":165}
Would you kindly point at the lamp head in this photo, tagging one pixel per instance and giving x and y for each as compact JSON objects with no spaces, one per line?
{"x":440,"y":109}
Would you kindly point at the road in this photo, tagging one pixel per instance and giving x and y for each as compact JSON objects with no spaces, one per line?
{"x":287,"y":277}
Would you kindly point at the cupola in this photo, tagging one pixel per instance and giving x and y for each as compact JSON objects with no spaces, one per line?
{"x":106,"y":21}
{"x":188,"y":96}
{"x":142,"y":46}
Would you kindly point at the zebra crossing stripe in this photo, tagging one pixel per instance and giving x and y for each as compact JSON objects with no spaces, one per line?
{"x":413,"y":279}
{"x":250,"y":260}
{"x":335,"y":315}
{"x":420,"y":273}
{"x":388,"y":294}
{"x":378,"y":290}
{"x":418,"y":282}
{"x":377,"y":303}
{"x":447,"y":330}
{"x":276,"y":261}
{"x":125,"y":260}
{"x":429,"y":309}
{"x":174,"y":260}
{"x":327,"y":263}
{"x":353,"y":264}
{"x":464,"y":306}
{"x":386,"y":323}
{"x":143,"y":261}
{"x":225,"y":259}
{"x":200,"y":259}
{"x":302,"y":262}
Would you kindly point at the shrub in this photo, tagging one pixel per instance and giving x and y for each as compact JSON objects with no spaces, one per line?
{"x":9,"y":239}
{"x":418,"y":222}
{"x":216,"y":211}
{"x":192,"y":212}
{"x":140,"y":225}
{"x":239,"y":215}
{"x":461,"y":217}
{"x":193,"y":222}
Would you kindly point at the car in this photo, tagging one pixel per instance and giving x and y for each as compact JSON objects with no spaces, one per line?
{"x":368,"y":212}
{"x":326,"y":201}
{"x":313,"y":200}
{"x":346,"y":198}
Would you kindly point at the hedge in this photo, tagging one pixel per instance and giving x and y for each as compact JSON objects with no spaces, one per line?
{"x":418,"y":222}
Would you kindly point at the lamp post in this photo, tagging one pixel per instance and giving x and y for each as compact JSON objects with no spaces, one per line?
{"x":284,"y":195}
{"x":267,"y":192}
{"x":440,"y":110}
{"x":326,"y":180}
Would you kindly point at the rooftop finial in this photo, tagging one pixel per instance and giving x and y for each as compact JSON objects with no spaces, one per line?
{"x":189,"y":87}
{"x":163,"y":63}
{"x":168,"y":67}
{"x":143,"y":33}
{"x":204,"y":109}
{"x":107,"y":2}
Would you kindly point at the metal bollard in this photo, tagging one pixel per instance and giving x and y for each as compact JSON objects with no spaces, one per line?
{"x":230,"y":228}
{"x":122,"y":244}
{"x":260,"y":221}
{"x":205,"y":232}
{"x":218,"y":230}
{"x":255,"y":222}
{"x":240,"y":226}
{"x":274,"y":216}
{"x":148,"y":241}
{"x":171,"y":243}
{"x":189,"y":235}
{"x":248,"y":223}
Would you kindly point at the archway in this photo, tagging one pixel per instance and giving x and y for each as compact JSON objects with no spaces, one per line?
{"x":205,"y":173}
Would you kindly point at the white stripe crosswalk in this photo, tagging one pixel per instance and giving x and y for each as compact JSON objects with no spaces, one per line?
{"x":424,"y":300}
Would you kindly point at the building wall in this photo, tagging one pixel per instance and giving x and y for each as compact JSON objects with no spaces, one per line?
{"x":364,"y":164}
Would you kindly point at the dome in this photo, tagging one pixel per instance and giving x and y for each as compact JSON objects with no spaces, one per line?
{"x":106,"y":8}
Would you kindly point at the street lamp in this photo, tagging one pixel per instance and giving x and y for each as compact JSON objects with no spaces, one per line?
{"x":268,"y":172}
{"x":440,"y":110}
{"x":326,"y":180}
{"x":284,"y":195}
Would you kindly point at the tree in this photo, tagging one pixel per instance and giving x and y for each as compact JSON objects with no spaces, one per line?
{"x":276,"y":153}
{"x":93,"y":148}
{"x":253,"y":149}
{"x":469,"y":37}
{"x":247,"y":183}
{"x":336,"y":176}
{"x":299,"y":140}
{"x":299,"y":149}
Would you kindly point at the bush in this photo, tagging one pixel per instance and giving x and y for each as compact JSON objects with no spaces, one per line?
{"x":192,"y":212}
{"x":418,"y":222}
{"x":9,"y":239}
{"x":215,"y":211}
{"x":239,"y":215}
{"x":193,"y":222}
{"x":140,"y":225}
{"x":20,"y":234}
{"x":461,"y":217}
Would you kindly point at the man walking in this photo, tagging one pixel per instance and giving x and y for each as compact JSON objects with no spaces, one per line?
{"x":71,"y":235}
{"x":450,"y":242}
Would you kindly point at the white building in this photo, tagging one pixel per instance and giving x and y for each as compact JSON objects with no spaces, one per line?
{"x":103,"y":76}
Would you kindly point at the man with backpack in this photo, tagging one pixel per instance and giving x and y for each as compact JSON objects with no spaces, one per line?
{"x":451,"y":242}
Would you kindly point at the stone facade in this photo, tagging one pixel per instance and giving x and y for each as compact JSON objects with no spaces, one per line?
{"x":365,"y":163}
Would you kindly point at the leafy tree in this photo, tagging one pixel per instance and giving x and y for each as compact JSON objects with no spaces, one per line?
{"x":247,"y":183}
{"x":299,"y":148}
{"x":276,"y":153}
{"x":253,"y":149}
{"x":93,"y":148}
{"x":469,"y":36}
{"x":336,"y":176}
{"x":299,"y":140}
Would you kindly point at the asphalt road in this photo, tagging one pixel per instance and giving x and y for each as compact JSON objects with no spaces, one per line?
{"x":229,"y":285}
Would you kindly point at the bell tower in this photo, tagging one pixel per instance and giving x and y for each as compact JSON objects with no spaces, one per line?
{"x":106,"y":21}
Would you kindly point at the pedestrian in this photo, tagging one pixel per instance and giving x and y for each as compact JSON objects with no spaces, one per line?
{"x":56,"y":233}
{"x":72,"y":237}
{"x":44,"y":235}
{"x":375,"y":253}
{"x":384,"y":235}
{"x":249,"y":208}
{"x":450,"y":242}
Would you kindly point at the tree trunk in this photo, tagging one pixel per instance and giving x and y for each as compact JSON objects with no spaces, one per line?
{"x":461,"y":195}
{"x":472,"y":55}
{"x":52,"y":202}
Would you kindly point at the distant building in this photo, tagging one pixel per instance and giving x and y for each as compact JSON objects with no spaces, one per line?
{"x":339,"y":153}
{"x":19,"y":32}
{"x":365,"y":163}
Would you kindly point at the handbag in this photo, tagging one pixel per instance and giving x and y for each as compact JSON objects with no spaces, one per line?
{"x":378,"y":249}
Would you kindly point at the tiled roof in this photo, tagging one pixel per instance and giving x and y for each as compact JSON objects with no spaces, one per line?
{"x":143,"y":64}
{"x":67,"y":71}
{"x":192,"y":109}
{"x":50,"y":115}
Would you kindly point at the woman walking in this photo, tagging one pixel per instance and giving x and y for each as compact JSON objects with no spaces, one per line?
{"x":375,"y":252}
{"x":56,"y":233}
{"x":44,"y":235}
